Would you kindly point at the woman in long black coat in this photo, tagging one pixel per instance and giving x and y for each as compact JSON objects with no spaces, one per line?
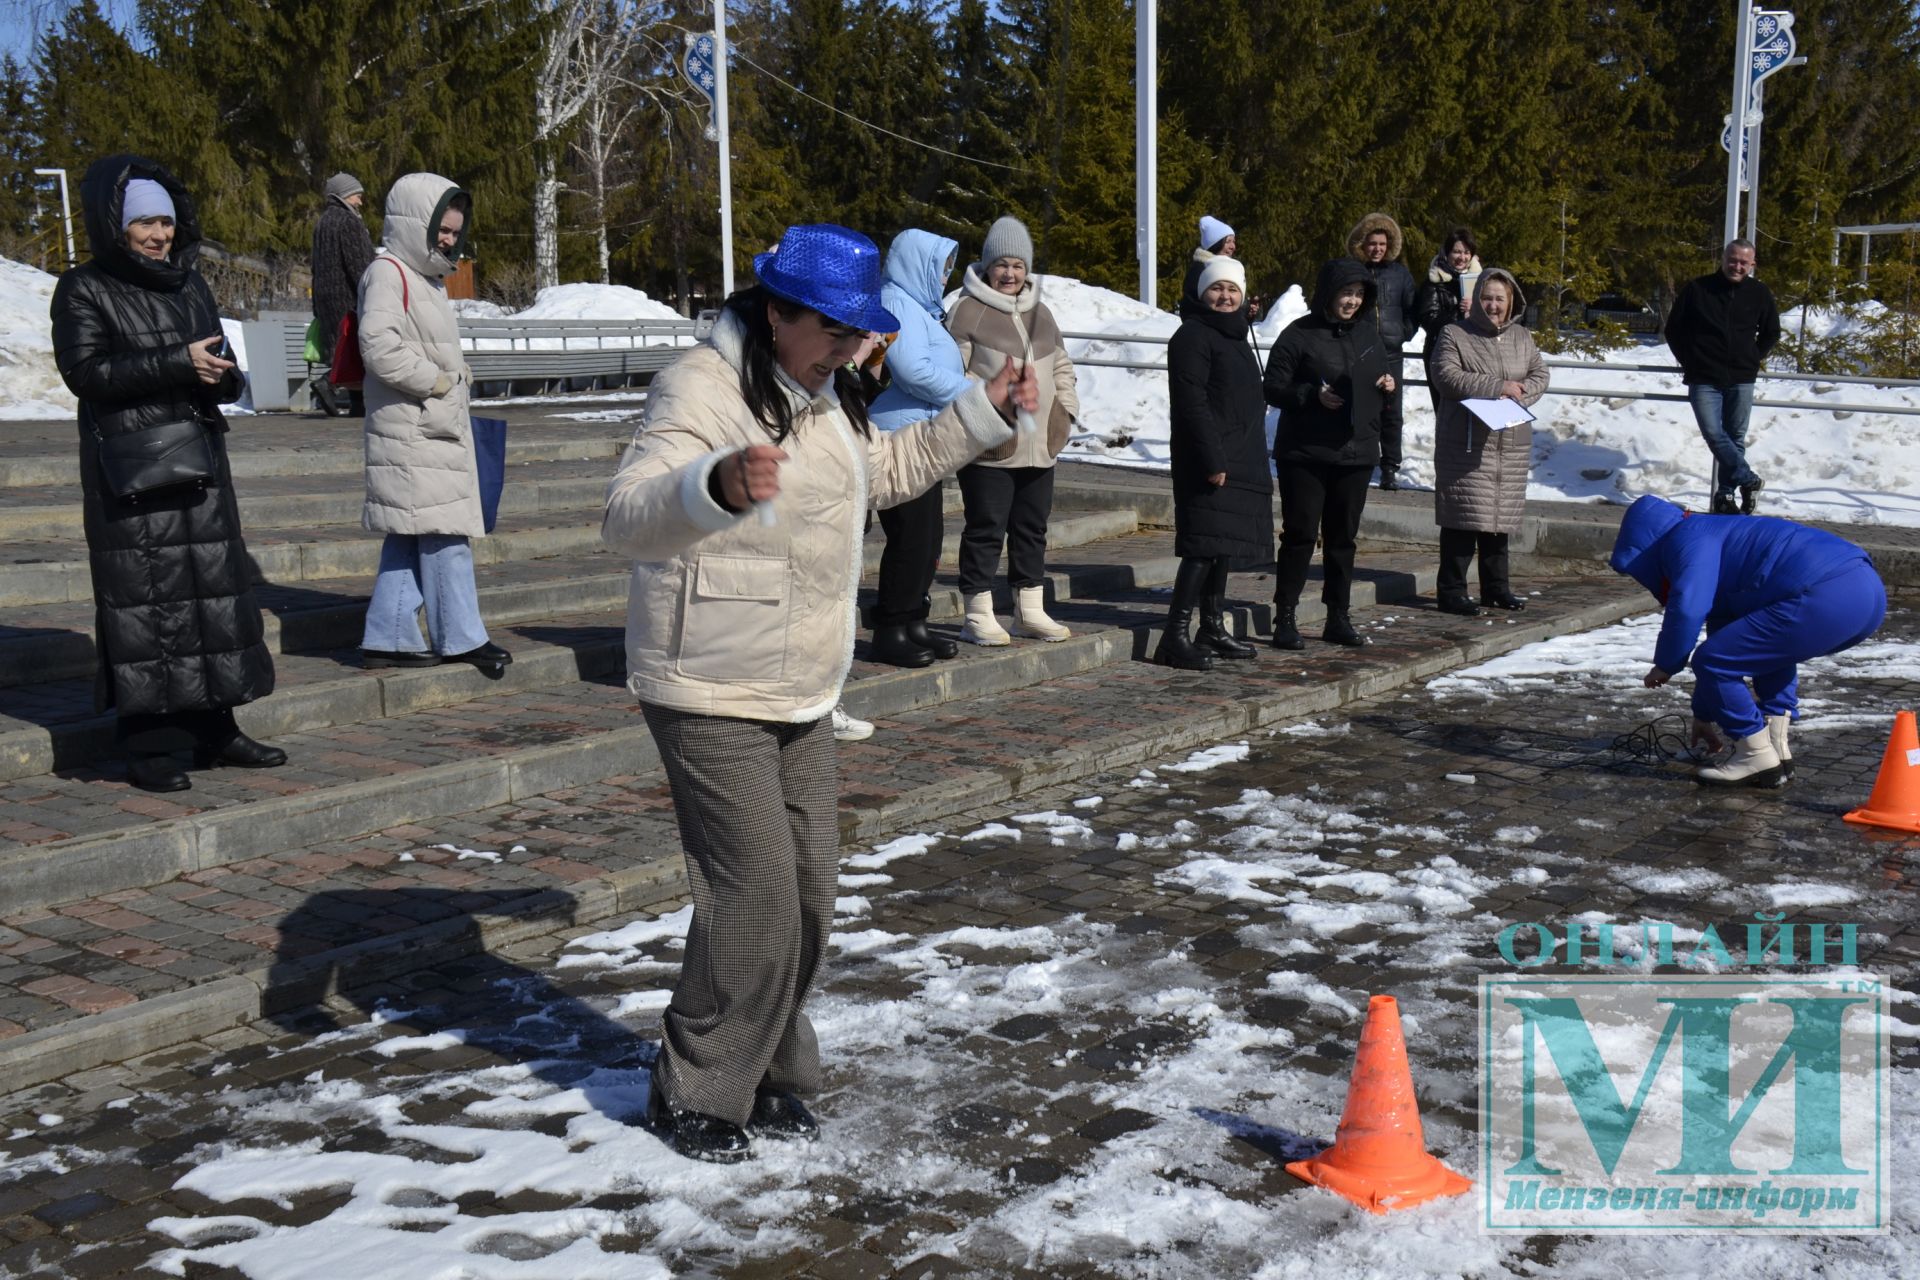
{"x":1328,"y":377}
{"x":137,"y":335}
{"x":1222,"y":488}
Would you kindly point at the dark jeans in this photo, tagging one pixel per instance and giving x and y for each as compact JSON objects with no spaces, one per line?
{"x":912,"y":553}
{"x":1393,"y":418}
{"x":159,"y":733}
{"x":1722,"y":414}
{"x":1318,"y":498}
{"x":1007,"y":505}
{"x":1457,"y":547}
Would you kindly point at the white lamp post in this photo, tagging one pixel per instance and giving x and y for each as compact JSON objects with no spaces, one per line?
{"x":1146,"y":142}
{"x":66,"y":209}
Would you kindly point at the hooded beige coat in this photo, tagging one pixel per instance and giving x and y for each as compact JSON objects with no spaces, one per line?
{"x":990,"y":326}
{"x":421,"y":475}
{"x":1479,"y":475}
{"x":729,"y":617}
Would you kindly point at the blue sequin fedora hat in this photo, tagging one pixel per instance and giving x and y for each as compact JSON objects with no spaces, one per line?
{"x":831,"y":269}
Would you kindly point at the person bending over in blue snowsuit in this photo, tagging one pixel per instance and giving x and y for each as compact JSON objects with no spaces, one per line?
{"x":1771,"y":593}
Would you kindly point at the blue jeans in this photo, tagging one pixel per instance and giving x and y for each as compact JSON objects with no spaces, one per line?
{"x":1767,"y":644}
{"x":432,"y":569}
{"x":1722,"y":414}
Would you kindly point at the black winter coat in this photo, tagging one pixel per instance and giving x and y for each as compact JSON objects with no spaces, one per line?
{"x":342,"y":252}
{"x":1436,"y":307}
{"x":1219,"y":424}
{"x":1722,"y":332}
{"x":1317,"y":350}
{"x":175,"y":624}
{"x":1394,"y":304}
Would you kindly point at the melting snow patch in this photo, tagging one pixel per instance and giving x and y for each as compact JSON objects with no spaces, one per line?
{"x":1805,"y":893}
{"x":993,"y":830}
{"x":1211,"y":758}
{"x":1517,"y":835}
{"x":900,"y":847}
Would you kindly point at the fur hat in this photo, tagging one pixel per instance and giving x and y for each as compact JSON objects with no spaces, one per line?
{"x":1213,"y":231}
{"x":1007,"y":238}
{"x":1222,"y":268}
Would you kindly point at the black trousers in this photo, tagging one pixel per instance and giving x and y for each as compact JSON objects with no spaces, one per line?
{"x":1393,"y":418}
{"x":1323,"y":499}
{"x":1457,"y":548}
{"x":1005,"y":506}
{"x":912,"y":553}
{"x":158,"y":733}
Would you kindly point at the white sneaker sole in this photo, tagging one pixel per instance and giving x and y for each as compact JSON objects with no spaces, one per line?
{"x":1050,"y":637}
{"x":988,"y":642}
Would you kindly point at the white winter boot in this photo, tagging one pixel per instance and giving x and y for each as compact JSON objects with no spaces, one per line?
{"x":1030,"y":616}
{"x":1777,"y":733}
{"x":1754,"y":763}
{"x":981,"y":627}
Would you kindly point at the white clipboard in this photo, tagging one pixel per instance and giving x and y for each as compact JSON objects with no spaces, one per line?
{"x":1498,"y":415}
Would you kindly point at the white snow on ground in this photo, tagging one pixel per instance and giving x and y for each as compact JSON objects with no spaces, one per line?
{"x":1818,"y":465}
{"x":30,"y":385}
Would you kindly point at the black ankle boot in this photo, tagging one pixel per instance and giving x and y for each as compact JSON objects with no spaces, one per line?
{"x":893,"y":646}
{"x":1339,"y":629}
{"x":1458,"y":605}
{"x":1176,"y":650}
{"x":1501,"y":598}
{"x":1286,"y":627}
{"x":781,"y":1115}
{"x":241,"y":752}
{"x":695,"y":1134}
{"x":940,"y":646}
{"x":1213,"y":635}
{"x":156,"y":773}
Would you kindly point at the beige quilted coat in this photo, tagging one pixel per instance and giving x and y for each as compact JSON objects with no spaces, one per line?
{"x":421,"y":476}
{"x":730,"y":617}
{"x":1480,"y":475}
{"x":988,"y":326}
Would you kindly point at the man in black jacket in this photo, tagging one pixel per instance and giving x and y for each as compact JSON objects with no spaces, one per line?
{"x":1722,"y":327}
{"x":342,"y":251}
{"x":1376,"y":242}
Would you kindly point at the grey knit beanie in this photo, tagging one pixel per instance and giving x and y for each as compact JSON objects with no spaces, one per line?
{"x":342,"y":185}
{"x":1007,"y":238}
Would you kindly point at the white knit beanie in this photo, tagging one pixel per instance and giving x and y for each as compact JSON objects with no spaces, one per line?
{"x":1213,"y":231}
{"x":1222,"y":268}
{"x":144,"y":198}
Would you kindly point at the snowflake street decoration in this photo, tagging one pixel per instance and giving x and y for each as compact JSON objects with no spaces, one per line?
{"x":1773,"y":43}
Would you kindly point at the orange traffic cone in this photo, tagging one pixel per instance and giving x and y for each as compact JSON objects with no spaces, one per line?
{"x":1379,"y":1156}
{"x":1895,"y":801}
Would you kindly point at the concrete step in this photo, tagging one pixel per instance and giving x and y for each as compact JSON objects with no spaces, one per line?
{"x":121,"y":973}
{"x":55,"y":642}
{"x":74,"y":833}
{"x":336,"y":450}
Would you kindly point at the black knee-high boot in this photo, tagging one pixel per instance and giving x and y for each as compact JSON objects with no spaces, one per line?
{"x":1213,"y":635}
{"x":1189,"y":586}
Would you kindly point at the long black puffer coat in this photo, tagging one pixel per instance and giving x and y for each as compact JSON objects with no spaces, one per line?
{"x":1219,"y":424}
{"x":175,"y":623}
{"x":1345,"y":356}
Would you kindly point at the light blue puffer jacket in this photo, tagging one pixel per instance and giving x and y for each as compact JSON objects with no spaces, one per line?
{"x":923,"y":364}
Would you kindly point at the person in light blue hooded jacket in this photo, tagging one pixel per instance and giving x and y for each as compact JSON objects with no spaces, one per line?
{"x":925,"y":375}
{"x":1771,"y":594}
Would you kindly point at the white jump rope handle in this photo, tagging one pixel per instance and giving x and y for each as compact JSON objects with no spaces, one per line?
{"x":764,"y":509}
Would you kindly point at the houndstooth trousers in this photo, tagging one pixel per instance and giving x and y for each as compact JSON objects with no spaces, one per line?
{"x":756,"y":802}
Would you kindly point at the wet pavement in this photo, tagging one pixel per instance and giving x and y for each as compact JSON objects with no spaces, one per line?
{"x":1075,"y":1037}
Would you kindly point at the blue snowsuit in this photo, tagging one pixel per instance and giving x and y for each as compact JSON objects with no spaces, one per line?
{"x":1771,"y":593}
{"x":923,"y":364}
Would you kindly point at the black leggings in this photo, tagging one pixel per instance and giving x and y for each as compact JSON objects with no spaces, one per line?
{"x":914,"y":533}
{"x":1457,"y":547}
{"x":1323,"y":499}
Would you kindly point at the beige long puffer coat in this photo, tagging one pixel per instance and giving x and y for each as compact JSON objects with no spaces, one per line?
{"x":729,"y":617}
{"x":421,"y":475}
{"x":989,"y":326}
{"x":1480,"y":475}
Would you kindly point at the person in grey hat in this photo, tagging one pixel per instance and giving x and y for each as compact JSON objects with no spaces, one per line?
{"x":342,"y":251}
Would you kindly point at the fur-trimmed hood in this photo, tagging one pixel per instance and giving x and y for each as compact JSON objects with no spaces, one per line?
{"x":1367,"y":226}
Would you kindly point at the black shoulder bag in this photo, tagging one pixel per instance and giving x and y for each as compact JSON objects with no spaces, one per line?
{"x":163,"y":457}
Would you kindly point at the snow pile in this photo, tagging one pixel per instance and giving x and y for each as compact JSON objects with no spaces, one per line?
{"x":595,"y":302}
{"x":30,"y":385}
{"x":1819,"y":463}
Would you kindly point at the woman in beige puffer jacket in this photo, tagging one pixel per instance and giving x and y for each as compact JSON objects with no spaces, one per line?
{"x":739,"y":638}
{"x":1480,"y":475}
{"x":423,"y":485}
{"x":1009,"y":491}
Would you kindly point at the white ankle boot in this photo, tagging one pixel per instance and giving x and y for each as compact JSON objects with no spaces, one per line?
{"x":1777,"y":733}
{"x":1030,"y":616}
{"x":1754,"y":763}
{"x":981,"y":627}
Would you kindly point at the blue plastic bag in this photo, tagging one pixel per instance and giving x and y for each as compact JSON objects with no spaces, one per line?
{"x":490,"y":460}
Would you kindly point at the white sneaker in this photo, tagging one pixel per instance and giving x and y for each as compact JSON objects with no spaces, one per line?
{"x":981,"y":627}
{"x":1030,"y":616}
{"x":848,"y":728}
{"x":1754,"y":763}
{"x":1777,"y":727}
